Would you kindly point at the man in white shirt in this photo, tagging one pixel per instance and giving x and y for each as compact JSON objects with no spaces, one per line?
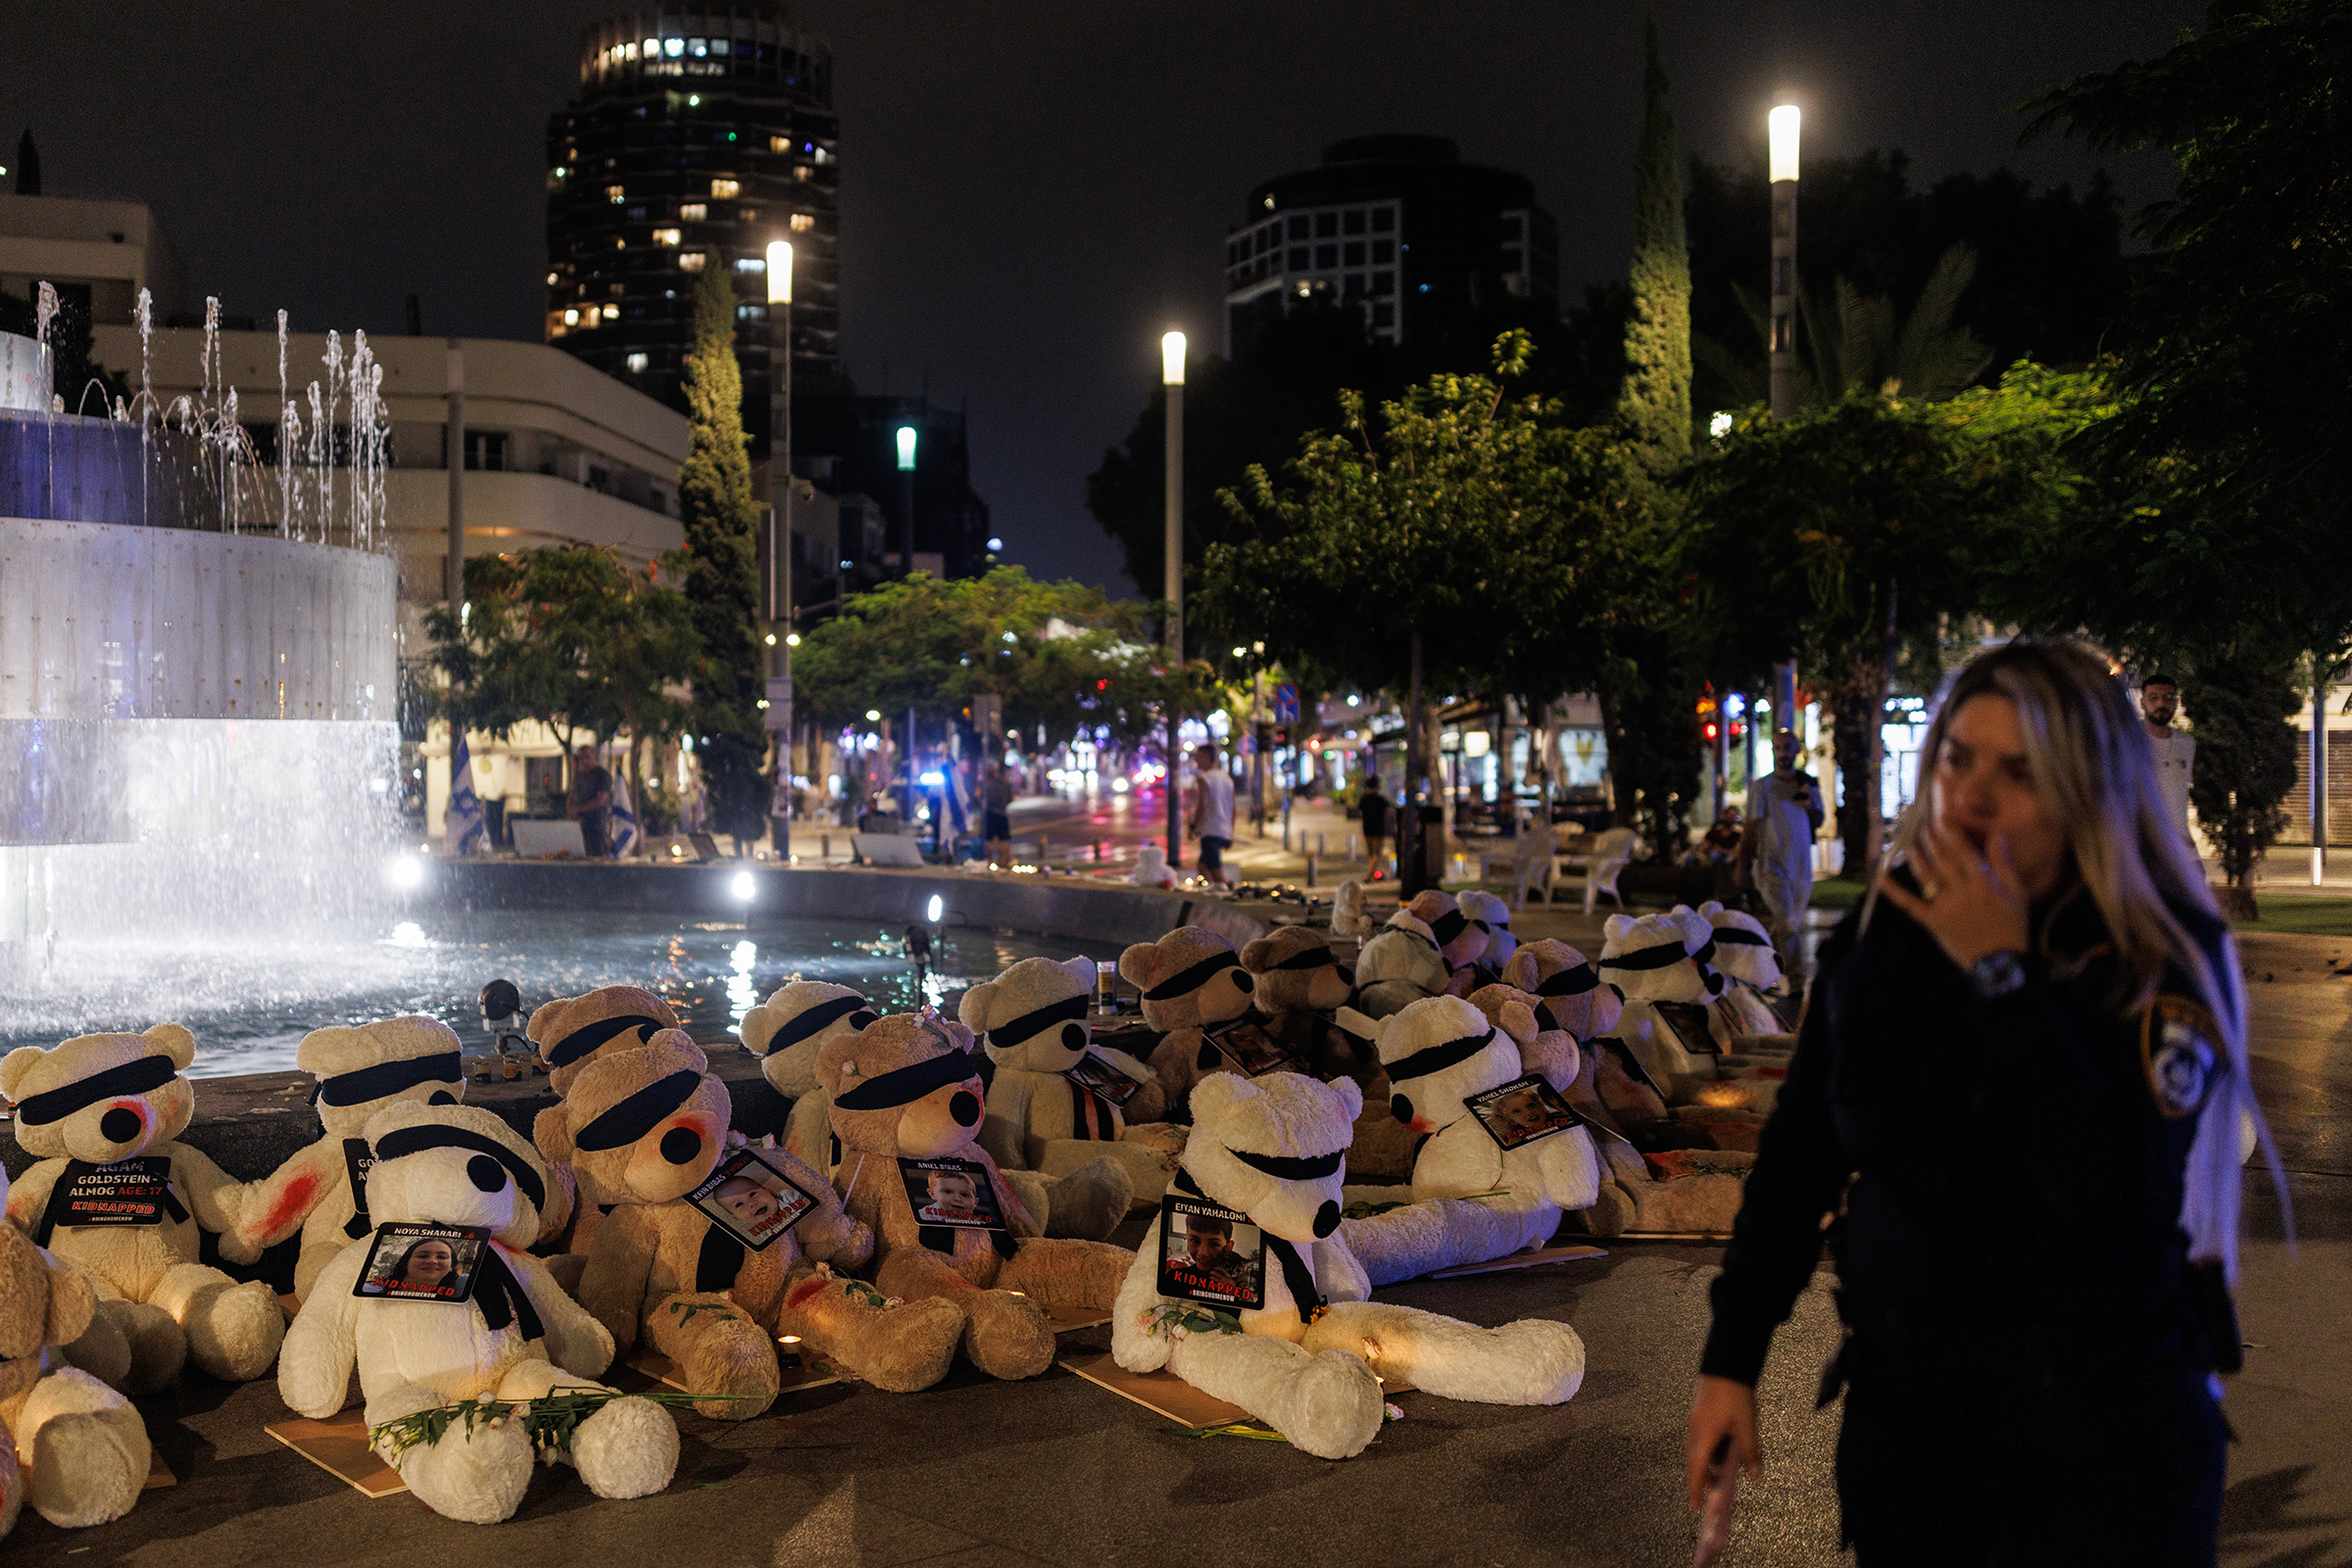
{"x":2176,"y":749}
{"x":1212,"y":813}
{"x":1776,"y":852}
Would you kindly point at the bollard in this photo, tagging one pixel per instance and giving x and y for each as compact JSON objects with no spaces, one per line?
{"x":1319,"y":843}
{"x":1311,"y":871}
{"x":825,"y":846}
{"x":1097,"y":851}
{"x":1353,"y":848}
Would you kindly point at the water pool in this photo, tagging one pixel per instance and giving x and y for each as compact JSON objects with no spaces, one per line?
{"x":251,"y":998}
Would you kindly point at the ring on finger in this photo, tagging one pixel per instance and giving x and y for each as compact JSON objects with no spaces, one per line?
{"x":1929,"y":890}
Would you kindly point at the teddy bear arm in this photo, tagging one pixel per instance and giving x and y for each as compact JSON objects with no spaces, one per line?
{"x":73,"y":1301}
{"x":620,"y":1260}
{"x":1004,"y":1128}
{"x":1131,"y":1343}
{"x":216,"y":1197}
{"x":808,"y":1130}
{"x":1460,"y":1160}
{"x":28,"y":1194}
{"x":1567,"y":1168}
{"x":575,"y":1341}
{"x":321,"y":1345}
{"x":278,"y":1205}
{"x":563,"y":1201}
{"x":1339,"y":1273}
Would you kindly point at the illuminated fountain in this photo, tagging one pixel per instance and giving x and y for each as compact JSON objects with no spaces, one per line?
{"x":198,"y":690}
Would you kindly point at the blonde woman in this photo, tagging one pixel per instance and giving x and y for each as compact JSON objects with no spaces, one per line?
{"x":2019,"y":1089}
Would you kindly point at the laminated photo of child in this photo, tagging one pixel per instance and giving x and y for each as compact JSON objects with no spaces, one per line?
{"x":1208,"y":1257}
{"x":752,"y":1198}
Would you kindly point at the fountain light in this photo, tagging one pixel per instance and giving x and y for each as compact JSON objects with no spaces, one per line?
{"x":935,"y":909}
{"x":405,"y":871}
{"x":743,"y":886}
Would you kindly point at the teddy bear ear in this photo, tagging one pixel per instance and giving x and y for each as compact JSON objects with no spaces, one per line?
{"x":1711,"y":908}
{"x":1617,"y":925}
{"x":1352,"y":1098}
{"x":551,"y":1133}
{"x":14,"y":1065}
{"x":1217,"y":1091}
{"x":177,"y":1043}
{"x":1518,"y":1020}
{"x":1135,"y":964}
{"x":759,"y":1027}
{"x":1256,"y":953}
{"x":1082,"y":971}
{"x":973,"y":1009}
{"x":543,"y":1018}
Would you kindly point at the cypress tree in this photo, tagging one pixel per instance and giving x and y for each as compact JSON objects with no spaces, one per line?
{"x":1655,"y":405}
{"x":720,"y":521}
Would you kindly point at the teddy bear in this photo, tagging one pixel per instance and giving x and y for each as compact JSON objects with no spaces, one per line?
{"x":1192,"y":982}
{"x":1658,"y":961}
{"x":1574,"y":1005}
{"x":361,"y":1069}
{"x":648,"y":1126}
{"x":907,"y":1103}
{"x":1438,"y":1053}
{"x":1272,"y":1151}
{"x":1398,"y":963}
{"x":1055,"y":1104}
{"x":1296,"y":981}
{"x":786,"y":1032}
{"x":517,"y":1338}
{"x":1348,"y":916}
{"x":1744,"y":955}
{"x":117,"y":1195}
{"x":73,"y":1445}
{"x":1491,"y":914}
{"x":570,"y":1032}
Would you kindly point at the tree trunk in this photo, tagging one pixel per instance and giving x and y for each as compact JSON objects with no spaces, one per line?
{"x":1858,"y":708}
{"x":1408,"y":805}
{"x":1621,"y":783}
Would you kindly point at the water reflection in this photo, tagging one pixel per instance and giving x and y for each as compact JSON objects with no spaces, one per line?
{"x":250,"y":999}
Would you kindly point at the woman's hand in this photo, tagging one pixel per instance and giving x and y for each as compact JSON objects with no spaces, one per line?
{"x":1724,"y":1411}
{"x":1972,"y":903}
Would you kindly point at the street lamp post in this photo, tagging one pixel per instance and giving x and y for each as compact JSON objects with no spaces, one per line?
{"x":1783,"y":125}
{"x":905,"y":439}
{"x":780,"y":631}
{"x":1171,"y":376}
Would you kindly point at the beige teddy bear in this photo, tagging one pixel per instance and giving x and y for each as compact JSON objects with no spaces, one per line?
{"x":79,"y":1448}
{"x":360,"y":1071}
{"x":1192,"y":982}
{"x":786,"y":1032}
{"x":117,"y":1195}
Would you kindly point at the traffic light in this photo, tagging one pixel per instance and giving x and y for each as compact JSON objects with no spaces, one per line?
{"x":1707,"y":726}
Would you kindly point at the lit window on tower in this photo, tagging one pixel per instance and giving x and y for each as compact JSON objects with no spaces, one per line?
{"x":690,"y":261}
{"x":723,"y":188}
{"x":692,"y":211}
{"x":803,"y":223}
{"x":638,"y":362}
{"x":615,"y":194}
{"x":666,"y":236}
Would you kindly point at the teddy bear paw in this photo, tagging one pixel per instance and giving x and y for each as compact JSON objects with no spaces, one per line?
{"x":89,"y":1466}
{"x":629,"y":1448}
{"x":735,"y":1359}
{"x":234,"y":1334}
{"x":159,"y":1346}
{"x":1089,"y":1202}
{"x":1008,"y":1336}
{"x":476,"y":1474}
{"x":1331,"y":1407}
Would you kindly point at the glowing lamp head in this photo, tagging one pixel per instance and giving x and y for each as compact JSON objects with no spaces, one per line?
{"x":779,"y":272}
{"x":405,"y":871}
{"x":1171,"y":359}
{"x":936,"y":909}
{"x":1782,"y":124}
{"x":905,"y":449}
{"x":743,"y":886}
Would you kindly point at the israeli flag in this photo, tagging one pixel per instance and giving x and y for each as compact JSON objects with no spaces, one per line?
{"x":461,"y":831}
{"x":623,"y":832}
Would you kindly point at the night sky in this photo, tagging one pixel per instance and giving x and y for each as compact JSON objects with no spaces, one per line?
{"x":1031,"y":191}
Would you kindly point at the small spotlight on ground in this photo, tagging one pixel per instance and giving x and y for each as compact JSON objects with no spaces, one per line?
{"x":936,"y":909}
{"x":743,"y":886}
{"x":405,"y":871}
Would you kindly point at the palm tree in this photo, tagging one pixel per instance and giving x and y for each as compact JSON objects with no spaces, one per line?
{"x":1851,"y":342}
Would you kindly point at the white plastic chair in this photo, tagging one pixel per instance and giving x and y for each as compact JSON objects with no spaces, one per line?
{"x":1610,"y":852}
{"x":1532,"y":862}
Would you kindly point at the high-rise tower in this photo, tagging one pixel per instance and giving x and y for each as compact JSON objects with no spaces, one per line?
{"x":698,"y":137}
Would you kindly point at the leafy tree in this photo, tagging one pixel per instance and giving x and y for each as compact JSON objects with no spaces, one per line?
{"x":2243,"y":693}
{"x":720,"y":521}
{"x":1655,"y":404}
{"x":1442,"y":539}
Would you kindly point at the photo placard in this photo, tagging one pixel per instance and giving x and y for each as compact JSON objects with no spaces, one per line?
{"x":950,"y":1192}
{"x":1211,"y":1254}
{"x":130,"y":1192}
{"x":1624,"y":1055}
{"x":1688,"y":1021}
{"x":1092,"y":1072}
{"x":1518,"y":1114}
{"x":423,"y":1262}
{"x":751,"y":1199}
{"x":1246,"y":1045}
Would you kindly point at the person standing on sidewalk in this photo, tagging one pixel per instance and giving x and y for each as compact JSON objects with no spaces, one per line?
{"x":996,"y":814}
{"x":2176,"y":749}
{"x":1211,"y":811}
{"x":590,"y":803}
{"x":1372,"y":814}
{"x":1776,"y":851}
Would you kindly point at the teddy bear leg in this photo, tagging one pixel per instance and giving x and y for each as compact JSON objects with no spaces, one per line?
{"x":1329,"y":1405}
{"x":898,"y":1350}
{"x":84,"y":1449}
{"x":627,"y":1448}
{"x":1148,"y":1160}
{"x":1072,"y":1278}
{"x":12,"y":1484}
{"x":476,"y":1473}
{"x":1532,"y":1362}
{"x":1442,"y":1233}
{"x":157,"y":1343}
{"x":103,"y":1352}
{"x":1091,"y":1201}
{"x":1005,"y":1335}
{"x":233,"y":1330}
{"x":1612,"y":1214}
{"x":718,"y":1350}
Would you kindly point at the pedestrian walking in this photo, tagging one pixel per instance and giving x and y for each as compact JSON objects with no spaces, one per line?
{"x":1776,"y":851}
{"x":995,"y":812}
{"x":1211,"y":811}
{"x":590,"y":803}
{"x":2176,"y":749}
{"x":2036,"y":1007}
{"x":1372,"y":811}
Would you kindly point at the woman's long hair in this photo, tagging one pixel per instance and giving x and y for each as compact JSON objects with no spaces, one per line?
{"x":2096,"y":774}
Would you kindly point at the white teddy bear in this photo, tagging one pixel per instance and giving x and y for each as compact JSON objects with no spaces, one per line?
{"x":1398,"y":965}
{"x":1273,"y":1151}
{"x":518,"y":1338}
{"x":120,"y":1197}
{"x":786,"y":1032}
{"x":1744,"y":957}
{"x":1057,"y":1103}
{"x":1439,"y":1052}
{"x":361,"y":1070}
{"x":1650,"y":961}
{"x":1491,"y":914}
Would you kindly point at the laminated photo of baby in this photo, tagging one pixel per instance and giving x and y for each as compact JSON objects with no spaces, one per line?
{"x":751,"y":1199}
{"x":1521,"y":1111}
{"x":950,"y":1192}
